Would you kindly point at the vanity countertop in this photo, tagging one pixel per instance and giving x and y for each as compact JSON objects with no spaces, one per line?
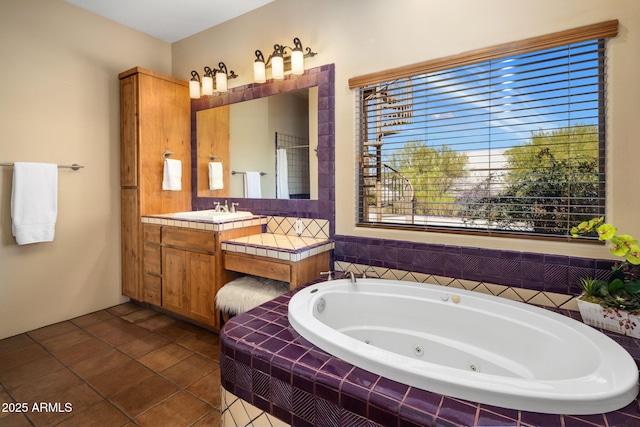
{"x":280,"y":246}
{"x":199,"y":224}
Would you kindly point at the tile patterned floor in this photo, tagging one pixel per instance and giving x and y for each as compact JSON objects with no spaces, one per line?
{"x":123,"y":366}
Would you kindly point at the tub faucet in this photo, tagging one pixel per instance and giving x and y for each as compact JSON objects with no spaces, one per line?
{"x":351,"y":276}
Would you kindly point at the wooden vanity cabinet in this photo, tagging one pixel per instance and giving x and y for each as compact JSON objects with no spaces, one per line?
{"x":189,"y":273}
{"x":155,"y":117}
{"x":183,"y":270}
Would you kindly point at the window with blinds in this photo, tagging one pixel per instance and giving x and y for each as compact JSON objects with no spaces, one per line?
{"x":509,"y":145}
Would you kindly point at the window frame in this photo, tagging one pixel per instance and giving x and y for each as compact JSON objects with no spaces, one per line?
{"x":598,"y":31}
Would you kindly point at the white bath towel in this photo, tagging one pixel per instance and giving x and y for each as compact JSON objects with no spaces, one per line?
{"x":252,"y":185}
{"x":215,"y":176}
{"x":34,"y":202}
{"x":282,"y":184}
{"x":172,"y":177}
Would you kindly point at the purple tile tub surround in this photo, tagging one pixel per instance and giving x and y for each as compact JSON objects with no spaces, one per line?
{"x":324,"y":207}
{"x":268,"y":364}
{"x":536,"y":271}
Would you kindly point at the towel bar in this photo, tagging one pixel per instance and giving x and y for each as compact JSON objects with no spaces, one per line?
{"x":236,"y":172}
{"x":74,"y":166}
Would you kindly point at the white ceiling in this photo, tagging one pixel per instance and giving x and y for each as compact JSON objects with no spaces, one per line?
{"x":169,"y":20}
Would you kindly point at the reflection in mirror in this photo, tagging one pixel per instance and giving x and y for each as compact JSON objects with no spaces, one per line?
{"x":275,"y":136}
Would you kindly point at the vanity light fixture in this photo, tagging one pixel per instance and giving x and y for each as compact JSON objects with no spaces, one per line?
{"x":277,"y":60}
{"x":194,"y":85}
{"x":221,"y":76}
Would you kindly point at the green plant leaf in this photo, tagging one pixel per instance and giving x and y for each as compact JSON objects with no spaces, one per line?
{"x":615,"y":284}
{"x":632,"y":287}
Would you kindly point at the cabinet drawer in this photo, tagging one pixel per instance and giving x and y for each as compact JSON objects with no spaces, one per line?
{"x":151,"y":233}
{"x":258,"y":266}
{"x":152,"y":289}
{"x":151,"y":259}
{"x":191,"y":240}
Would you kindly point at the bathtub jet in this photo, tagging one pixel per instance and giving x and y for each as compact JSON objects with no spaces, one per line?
{"x":467,"y":345}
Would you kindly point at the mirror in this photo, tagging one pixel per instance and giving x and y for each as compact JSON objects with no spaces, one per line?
{"x":275,"y":136}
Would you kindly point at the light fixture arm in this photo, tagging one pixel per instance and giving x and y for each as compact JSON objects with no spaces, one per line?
{"x":280,"y":50}
{"x":222,"y":68}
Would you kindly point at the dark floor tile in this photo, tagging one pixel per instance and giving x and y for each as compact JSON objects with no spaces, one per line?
{"x":78,"y":352}
{"x":21,"y":355}
{"x":204,"y":342}
{"x":124,"y":334}
{"x":15,"y":420}
{"x":140,"y":315}
{"x":189,"y":370}
{"x":162,"y":358}
{"x":47,"y":385}
{"x":29,"y":371}
{"x":79,"y":398}
{"x":99,"y":363}
{"x":60,"y":342}
{"x":111,"y":382}
{"x":177,"y":330}
{"x":156,"y":322}
{"x":181,"y":409}
{"x":208,"y":388}
{"x":14,"y":343}
{"x":92,"y":318}
{"x":107,"y":327}
{"x":101,"y":414}
{"x":52,"y":331}
{"x":212,"y":419}
{"x":143,"y":345}
{"x":144,"y":395}
{"x":124,"y":309}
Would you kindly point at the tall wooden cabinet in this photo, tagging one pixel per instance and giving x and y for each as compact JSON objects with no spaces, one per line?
{"x":154,"y":118}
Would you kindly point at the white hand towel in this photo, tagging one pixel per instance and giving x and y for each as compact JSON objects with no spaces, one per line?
{"x":282,"y":184}
{"x":172,"y":179}
{"x":34,"y":202}
{"x":252,"y":185}
{"x":215,"y":176}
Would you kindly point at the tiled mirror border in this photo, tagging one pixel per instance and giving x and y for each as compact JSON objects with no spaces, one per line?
{"x":324,"y":208}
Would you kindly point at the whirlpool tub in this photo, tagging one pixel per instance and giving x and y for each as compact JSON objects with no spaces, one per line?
{"x":467,"y":345}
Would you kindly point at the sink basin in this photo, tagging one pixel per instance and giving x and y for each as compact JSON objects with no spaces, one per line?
{"x":211,"y":215}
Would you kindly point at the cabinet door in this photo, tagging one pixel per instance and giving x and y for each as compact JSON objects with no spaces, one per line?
{"x":201,"y":281}
{"x":131,"y":238}
{"x":174,"y":281}
{"x":129,"y":132}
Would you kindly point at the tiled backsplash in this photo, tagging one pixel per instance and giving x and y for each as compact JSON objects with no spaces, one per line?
{"x":532,"y":271}
{"x":316,"y":228}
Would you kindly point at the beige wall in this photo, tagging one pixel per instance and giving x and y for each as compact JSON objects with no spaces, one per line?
{"x":364,"y":36}
{"x":59,"y":103}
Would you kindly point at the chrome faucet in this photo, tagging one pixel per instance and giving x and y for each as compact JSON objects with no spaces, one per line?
{"x":225,"y":208}
{"x":233,"y":206}
{"x":218,"y":208}
{"x":351,"y":276}
{"x":326,"y":273}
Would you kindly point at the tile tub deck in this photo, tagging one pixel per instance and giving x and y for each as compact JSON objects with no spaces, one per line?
{"x":267,"y":363}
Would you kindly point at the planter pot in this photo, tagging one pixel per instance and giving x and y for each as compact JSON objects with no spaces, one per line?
{"x":611,"y":319}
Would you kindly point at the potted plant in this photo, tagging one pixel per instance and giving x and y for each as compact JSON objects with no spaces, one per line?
{"x":612,"y":304}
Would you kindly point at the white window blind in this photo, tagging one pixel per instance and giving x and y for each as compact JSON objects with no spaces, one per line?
{"x":510,"y":145}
